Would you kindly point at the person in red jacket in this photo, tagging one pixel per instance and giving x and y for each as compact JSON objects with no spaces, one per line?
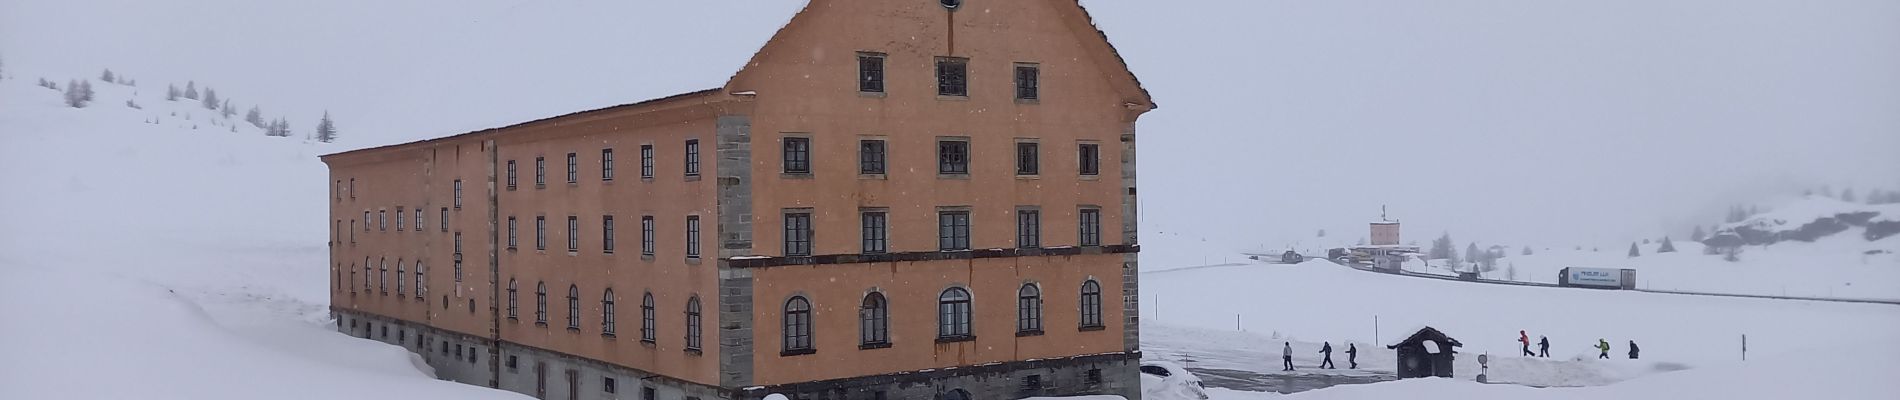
{"x":1525,"y":339}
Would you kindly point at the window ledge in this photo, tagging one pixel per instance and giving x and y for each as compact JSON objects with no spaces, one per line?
{"x":872,"y":95}
{"x":692,"y":177}
{"x":542,"y":324}
{"x":573,"y":252}
{"x":694,"y":352}
{"x":797,"y":352}
{"x":573,"y":330}
{"x":646,"y":179}
{"x":794,"y":175}
{"x":692,"y":260}
{"x":962,"y":176}
{"x":1091,"y":328}
{"x":646,"y":257}
{"x":649,"y":343}
{"x":874,"y":346}
{"x":1089,"y":177}
{"x":514,"y":319}
{"x":1037,"y":332}
{"x":865,"y":176}
{"x":607,"y":335}
{"x":954,"y":339}
{"x":1028,"y":177}
{"x":948,"y":97}
{"x":1028,"y":101}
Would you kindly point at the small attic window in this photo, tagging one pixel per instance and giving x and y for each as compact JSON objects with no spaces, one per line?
{"x":951,"y":4}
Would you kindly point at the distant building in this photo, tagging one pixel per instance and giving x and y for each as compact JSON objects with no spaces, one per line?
{"x":868,"y":209}
{"x":1385,"y":233}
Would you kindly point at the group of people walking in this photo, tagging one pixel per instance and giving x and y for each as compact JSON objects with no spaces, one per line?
{"x":1326,"y":353}
{"x":1543,"y":347}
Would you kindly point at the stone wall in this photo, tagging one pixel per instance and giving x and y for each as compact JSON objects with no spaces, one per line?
{"x":1111,"y":374}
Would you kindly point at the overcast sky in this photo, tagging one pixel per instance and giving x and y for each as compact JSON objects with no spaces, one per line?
{"x":1539,"y":122}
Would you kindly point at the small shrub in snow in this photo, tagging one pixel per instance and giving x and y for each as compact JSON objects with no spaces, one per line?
{"x":133,"y":104}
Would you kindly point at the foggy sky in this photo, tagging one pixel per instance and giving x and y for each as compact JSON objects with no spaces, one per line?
{"x":1514,"y":122}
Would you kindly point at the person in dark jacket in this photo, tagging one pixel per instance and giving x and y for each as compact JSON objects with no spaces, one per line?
{"x":1352,"y":356}
{"x":1633,"y":350}
{"x":1326,"y":350}
{"x":1543,"y":347}
{"x":1286,"y":356}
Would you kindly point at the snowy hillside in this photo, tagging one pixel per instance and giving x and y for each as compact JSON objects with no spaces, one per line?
{"x":161,"y":261}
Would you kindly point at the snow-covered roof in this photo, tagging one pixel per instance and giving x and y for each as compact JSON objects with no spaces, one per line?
{"x":1420,"y":330}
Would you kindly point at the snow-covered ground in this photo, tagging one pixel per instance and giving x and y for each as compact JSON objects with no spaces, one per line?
{"x":159,"y":261}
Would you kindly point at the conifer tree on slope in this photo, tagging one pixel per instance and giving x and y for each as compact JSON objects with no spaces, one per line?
{"x":171,"y":93}
{"x":1633,"y":251}
{"x":326,"y":129}
{"x":1698,"y":235}
{"x":107,"y":76}
{"x":210,"y":100}
{"x":74,"y":98}
{"x":1847,"y":195}
{"x":255,"y":117}
{"x":191,"y":90}
{"x":1667,"y":246}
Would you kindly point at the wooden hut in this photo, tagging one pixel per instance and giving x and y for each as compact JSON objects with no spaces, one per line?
{"x":1426,"y":353}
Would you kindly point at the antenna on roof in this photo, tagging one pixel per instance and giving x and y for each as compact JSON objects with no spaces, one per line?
{"x":1382,"y":214}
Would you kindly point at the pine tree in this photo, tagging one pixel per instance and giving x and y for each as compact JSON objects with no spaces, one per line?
{"x":171,"y":93}
{"x":74,"y":99}
{"x":1847,"y":195}
{"x":1442,"y":248}
{"x":255,"y":117}
{"x":107,"y":76}
{"x":1527,"y":250}
{"x":326,"y":132}
{"x":210,"y":100}
{"x":191,"y":90}
{"x":226,"y":110}
{"x":1698,"y":235}
{"x":1471,"y":253}
{"x":1633,"y":251}
{"x":1667,"y":246}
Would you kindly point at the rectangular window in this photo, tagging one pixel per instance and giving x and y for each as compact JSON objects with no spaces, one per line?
{"x":798,"y":233}
{"x":366,"y":220}
{"x":457,"y":257}
{"x":573,"y":233}
{"x":606,"y":164}
{"x":871,"y":72}
{"x":649,"y":394}
{"x":608,"y":385}
{"x":419,"y":224}
{"x":871,"y":156}
{"x":607,"y":234}
{"x":1028,"y":161}
{"x":573,"y":168}
{"x":1028,"y":228}
{"x":953,"y":156}
{"x":399,"y":220}
{"x":646,"y":235}
{"x":1090,"y":158}
{"x":1027,"y":81}
{"x":511,"y":233}
{"x":876,"y":231}
{"x":953,"y":76}
{"x":540,"y":172}
{"x":1091,"y":227}
{"x":353,"y":231}
{"x":511,"y":174}
{"x":692,"y":157}
{"x":646,"y":161}
{"x":692,"y":236}
{"x":445,"y":219}
{"x":953,"y":230}
{"x":797,"y":155}
{"x":382,"y":220}
{"x":540,"y":233}
{"x":352,"y":188}
{"x":458,"y":194}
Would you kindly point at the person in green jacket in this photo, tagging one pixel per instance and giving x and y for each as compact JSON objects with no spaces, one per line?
{"x":1603,"y":346}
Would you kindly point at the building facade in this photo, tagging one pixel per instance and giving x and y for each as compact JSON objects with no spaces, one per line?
{"x":893,"y":199}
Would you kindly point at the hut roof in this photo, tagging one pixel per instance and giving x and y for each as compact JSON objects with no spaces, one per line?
{"x":1426,"y":333}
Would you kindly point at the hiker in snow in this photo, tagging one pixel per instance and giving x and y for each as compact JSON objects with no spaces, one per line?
{"x":1326,"y":350}
{"x":1633,"y":350}
{"x":1286,"y":356}
{"x":1543,"y":347}
{"x":1526,"y":341}
{"x":1352,"y":356}
{"x":1603,"y":348}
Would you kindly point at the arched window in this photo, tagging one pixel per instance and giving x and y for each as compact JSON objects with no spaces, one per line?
{"x":541,"y":303}
{"x":956,"y":394}
{"x":797,"y":325}
{"x":953,"y":314}
{"x":692,"y":323}
{"x":399,"y":278}
{"x":1091,"y":304}
{"x":573,"y":307}
{"x":420,"y":288}
{"x":874,"y":321}
{"x":511,"y":299}
{"x":1029,"y":309}
{"x":382,"y":275}
{"x":646,"y":318}
{"x":368,"y":275}
{"x":352,"y":282}
{"x":607,"y":312}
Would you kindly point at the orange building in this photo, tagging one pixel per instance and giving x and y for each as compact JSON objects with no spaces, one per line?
{"x":893,"y":199}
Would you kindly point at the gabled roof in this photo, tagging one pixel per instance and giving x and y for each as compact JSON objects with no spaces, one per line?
{"x":1426,"y":333}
